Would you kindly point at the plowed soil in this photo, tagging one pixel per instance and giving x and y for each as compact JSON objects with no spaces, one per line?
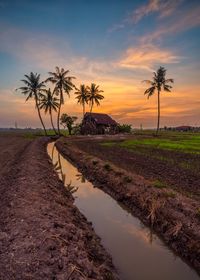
{"x":42,"y":234}
{"x":150,"y":166}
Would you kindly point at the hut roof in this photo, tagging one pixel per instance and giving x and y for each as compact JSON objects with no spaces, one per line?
{"x":101,"y":118}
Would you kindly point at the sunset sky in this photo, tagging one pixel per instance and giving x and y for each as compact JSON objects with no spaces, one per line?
{"x":115,"y":44}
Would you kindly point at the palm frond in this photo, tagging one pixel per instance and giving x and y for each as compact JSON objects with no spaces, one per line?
{"x":167,"y":88}
{"x":169,"y":81}
{"x":147,"y":82}
{"x":150,"y":91}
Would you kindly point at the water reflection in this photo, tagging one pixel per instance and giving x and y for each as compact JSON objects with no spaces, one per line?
{"x":137,"y":252}
{"x":57,"y":165}
{"x":80,"y":177}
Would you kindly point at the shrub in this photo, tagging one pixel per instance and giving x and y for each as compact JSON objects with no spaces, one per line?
{"x":77,"y":129}
{"x":124,"y":128}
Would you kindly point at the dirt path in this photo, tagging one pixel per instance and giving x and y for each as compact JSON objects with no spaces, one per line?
{"x":42,"y":234}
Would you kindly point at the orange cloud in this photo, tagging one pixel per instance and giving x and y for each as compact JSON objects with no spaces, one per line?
{"x":145,"y":56}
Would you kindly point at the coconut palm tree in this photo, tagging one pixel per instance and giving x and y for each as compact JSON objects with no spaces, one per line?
{"x":94,"y":96}
{"x":49,"y":103}
{"x":33,"y":89}
{"x":82,"y":96}
{"x":63,"y":84}
{"x":158,"y":84}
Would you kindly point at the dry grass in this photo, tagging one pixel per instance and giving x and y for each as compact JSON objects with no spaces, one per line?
{"x":174,"y":230}
{"x":154,"y":206}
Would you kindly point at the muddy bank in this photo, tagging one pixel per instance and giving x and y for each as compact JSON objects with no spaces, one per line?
{"x":173,"y":216}
{"x":42,"y":234}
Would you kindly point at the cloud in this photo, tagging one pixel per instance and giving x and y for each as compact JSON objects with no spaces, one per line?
{"x":39,"y":49}
{"x":146,"y":56}
{"x":116,"y":26}
{"x":174,"y":26}
{"x":43,"y":53}
{"x":162,"y":7}
{"x":177,"y":19}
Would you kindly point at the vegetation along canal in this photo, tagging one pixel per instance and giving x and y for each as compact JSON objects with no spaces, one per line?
{"x":137,"y":253}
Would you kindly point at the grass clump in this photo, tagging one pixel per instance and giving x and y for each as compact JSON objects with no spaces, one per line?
{"x":107,"y":167}
{"x":198,"y":212}
{"x":170,"y":194}
{"x":127,"y":179}
{"x":108,"y":144}
{"x":158,"y":184}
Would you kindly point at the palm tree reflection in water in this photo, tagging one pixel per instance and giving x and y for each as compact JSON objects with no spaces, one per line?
{"x":57,"y":166}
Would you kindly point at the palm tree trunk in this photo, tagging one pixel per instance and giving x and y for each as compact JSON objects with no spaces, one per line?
{"x":58,"y":118}
{"x":158,"y":123}
{"x":91,"y":107}
{"x":37,"y":106}
{"x":52,"y":122}
{"x":83,"y":110}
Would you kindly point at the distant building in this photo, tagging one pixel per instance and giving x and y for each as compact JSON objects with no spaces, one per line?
{"x":184,"y":128}
{"x":96,"y":123}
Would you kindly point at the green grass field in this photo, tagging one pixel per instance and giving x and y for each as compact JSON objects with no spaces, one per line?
{"x":181,"y":142}
{"x":184,"y":148}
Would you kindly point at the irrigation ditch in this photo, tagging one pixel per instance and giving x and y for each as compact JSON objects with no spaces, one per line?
{"x":170,"y":215}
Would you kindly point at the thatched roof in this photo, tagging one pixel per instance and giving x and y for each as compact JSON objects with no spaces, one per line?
{"x":103,"y":119}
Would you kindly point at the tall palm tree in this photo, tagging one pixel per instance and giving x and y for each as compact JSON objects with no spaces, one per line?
{"x":94,"y":96}
{"x":63,"y":84}
{"x":49,"y":103}
{"x":82,"y":96}
{"x":33,"y":89}
{"x":158,"y":84}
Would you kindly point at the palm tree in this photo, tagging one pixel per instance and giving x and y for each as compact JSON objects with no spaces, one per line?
{"x":32,"y":89}
{"x":94,"y":95}
{"x":158,"y":84}
{"x":63,"y":83}
{"x":82,"y":96}
{"x":49,"y":103}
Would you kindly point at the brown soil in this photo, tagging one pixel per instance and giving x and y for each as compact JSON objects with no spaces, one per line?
{"x":172,"y":215}
{"x":42,"y":234}
{"x":150,"y":166}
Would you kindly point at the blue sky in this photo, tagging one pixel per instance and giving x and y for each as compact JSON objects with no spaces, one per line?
{"x":115,"y":44}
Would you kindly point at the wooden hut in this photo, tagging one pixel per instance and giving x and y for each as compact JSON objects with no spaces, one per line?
{"x":96,"y":123}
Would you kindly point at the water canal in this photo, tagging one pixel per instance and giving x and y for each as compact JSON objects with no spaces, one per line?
{"x":137,"y":253}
